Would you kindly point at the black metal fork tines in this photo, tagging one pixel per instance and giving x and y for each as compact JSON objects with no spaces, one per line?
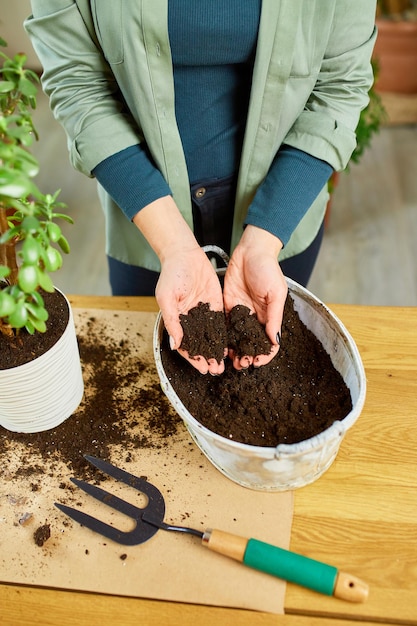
{"x":149,"y":519}
{"x":142,"y":530}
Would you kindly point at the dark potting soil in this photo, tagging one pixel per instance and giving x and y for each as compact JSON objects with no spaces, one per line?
{"x":207,"y":332}
{"x":210,"y":339}
{"x":245,"y":335}
{"x":42,"y":534}
{"x":25,"y":347}
{"x":296,"y":396}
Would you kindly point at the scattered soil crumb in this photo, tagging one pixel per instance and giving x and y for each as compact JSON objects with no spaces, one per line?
{"x":42,"y":534}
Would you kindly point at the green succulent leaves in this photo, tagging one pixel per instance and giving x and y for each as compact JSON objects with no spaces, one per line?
{"x":40,"y":242}
{"x":7,"y":304}
{"x":23,"y":310}
{"x":31,"y":242}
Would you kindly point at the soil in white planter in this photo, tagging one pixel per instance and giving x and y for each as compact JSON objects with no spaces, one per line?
{"x":296,"y":396}
{"x":24,"y":347}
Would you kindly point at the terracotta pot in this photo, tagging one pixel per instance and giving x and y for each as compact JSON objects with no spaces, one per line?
{"x":43,"y":393}
{"x":396,"y":54}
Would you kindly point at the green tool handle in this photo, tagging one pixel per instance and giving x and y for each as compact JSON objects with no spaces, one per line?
{"x":287,"y":565}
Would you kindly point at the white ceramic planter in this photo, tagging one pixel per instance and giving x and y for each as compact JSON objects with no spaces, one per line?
{"x":288,"y":466}
{"x":43,"y":393}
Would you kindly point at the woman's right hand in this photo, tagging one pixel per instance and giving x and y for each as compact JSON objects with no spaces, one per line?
{"x":187,"y":277}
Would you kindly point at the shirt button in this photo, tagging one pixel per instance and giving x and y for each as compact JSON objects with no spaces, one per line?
{"x":200,"y":192}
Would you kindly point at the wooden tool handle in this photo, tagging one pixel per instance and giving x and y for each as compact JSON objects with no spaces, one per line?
{"x":286,"y":565}
{"x":227,"y":544}
{"x":348,"y":587}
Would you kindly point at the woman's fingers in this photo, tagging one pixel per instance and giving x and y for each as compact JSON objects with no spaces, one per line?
{"x":264,"y":359}
{"x":240,"y":362}
{"x":202,"y":365}
{"x":215,"y":368}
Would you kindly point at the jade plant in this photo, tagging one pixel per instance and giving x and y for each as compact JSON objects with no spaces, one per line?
{"x":31,"y":241}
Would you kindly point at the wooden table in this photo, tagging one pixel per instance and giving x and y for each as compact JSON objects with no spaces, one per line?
{"x":360,"y":516}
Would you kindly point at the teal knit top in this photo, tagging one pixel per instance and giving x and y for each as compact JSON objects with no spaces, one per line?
{"x":213,"y":46}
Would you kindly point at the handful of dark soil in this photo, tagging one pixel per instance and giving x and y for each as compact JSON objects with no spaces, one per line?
{"x":296,"y":396}
{"x":207,"y":332}
{"x":245,"y":335}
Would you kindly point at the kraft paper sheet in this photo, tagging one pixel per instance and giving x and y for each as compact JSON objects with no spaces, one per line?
{"x":170,"y":566}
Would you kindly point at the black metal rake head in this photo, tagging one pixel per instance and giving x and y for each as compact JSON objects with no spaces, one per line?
{"x":148,"y":518}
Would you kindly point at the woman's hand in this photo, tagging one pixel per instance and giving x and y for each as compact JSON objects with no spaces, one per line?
{"x":254,"y":279}
{"x":187,"y":276}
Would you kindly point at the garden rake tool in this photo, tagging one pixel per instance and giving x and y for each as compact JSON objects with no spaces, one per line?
{"x":262,"y":556}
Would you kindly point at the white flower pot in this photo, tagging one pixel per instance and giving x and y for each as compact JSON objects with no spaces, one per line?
{"x":43,"y":393}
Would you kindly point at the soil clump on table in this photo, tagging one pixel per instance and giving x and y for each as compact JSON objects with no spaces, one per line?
{"x":42,"y":534}
{"x":296,"y":396}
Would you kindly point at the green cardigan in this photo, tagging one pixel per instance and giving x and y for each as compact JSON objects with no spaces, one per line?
{"x":108,"y":73}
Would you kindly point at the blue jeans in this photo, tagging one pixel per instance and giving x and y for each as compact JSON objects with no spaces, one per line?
{"x":213,"y":206}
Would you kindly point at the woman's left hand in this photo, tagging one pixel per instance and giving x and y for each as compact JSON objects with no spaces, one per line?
{"x":254,"y":279}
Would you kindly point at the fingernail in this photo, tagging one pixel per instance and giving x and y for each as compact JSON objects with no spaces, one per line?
{"x":278,"y":338}
{"x":171,"y":343}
